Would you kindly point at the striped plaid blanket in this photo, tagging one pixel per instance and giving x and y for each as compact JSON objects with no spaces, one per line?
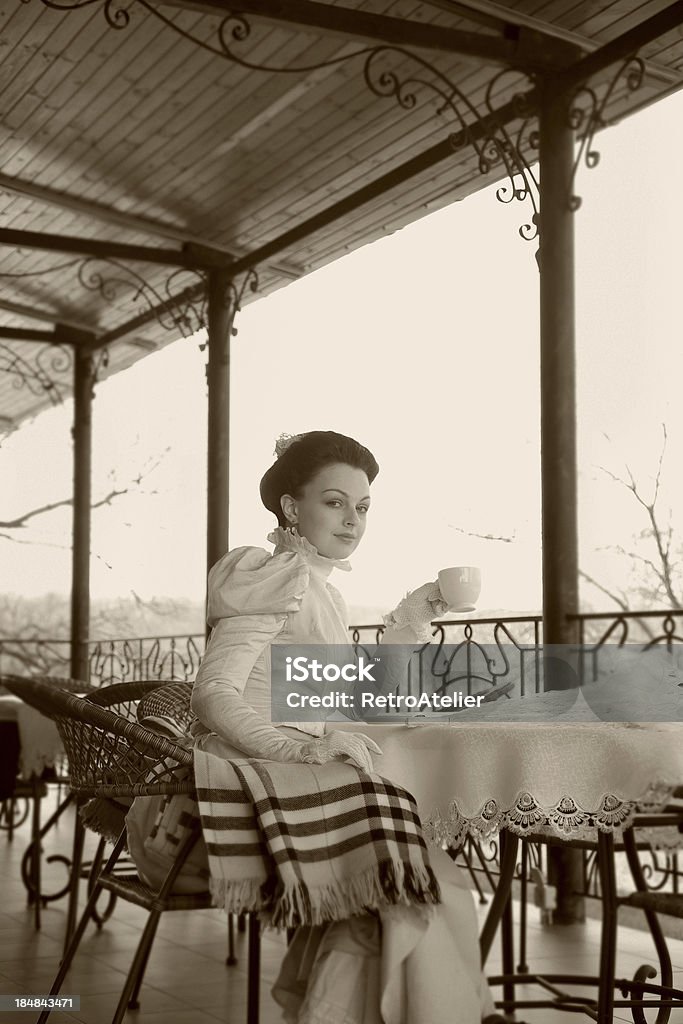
{"x":306,"y":844}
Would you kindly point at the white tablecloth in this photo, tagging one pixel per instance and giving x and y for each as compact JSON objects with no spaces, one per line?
{"x":38,"y":736}
{"x":472,"y":778}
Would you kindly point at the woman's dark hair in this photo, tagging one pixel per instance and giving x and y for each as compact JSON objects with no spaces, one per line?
{"x":304,"y":458}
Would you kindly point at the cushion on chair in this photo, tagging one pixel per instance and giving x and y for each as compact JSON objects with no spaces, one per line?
{"x":167,"y":710}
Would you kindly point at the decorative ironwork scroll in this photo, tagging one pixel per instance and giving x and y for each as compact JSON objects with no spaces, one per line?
{"x":175,"y":307}
{"x":173,"y":310}
{"x":42,"y":372}
{"x":385,"y":75}
{"x":498,"y":147}
{"x":235,"y":295}
{"x":587,"y":115}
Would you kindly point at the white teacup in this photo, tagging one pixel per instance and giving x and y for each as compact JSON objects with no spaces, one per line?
{"x":460,"y":587}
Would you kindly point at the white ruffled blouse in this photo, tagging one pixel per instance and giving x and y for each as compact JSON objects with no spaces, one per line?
{"x":255,"y":599}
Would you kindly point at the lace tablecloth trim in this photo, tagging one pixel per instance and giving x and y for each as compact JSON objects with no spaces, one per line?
{"x":566,"y":819}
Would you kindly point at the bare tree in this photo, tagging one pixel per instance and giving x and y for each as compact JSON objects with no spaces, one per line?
{"x":11,"y":529}
{"x":656,"y":552}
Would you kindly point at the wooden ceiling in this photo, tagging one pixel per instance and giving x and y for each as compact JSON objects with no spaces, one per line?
{"x":120,"y":130}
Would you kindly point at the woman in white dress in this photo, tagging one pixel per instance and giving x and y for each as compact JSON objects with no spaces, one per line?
{"x":357,"y":971}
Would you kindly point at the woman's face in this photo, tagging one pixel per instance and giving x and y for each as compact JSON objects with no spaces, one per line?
{"x":331,"y":512}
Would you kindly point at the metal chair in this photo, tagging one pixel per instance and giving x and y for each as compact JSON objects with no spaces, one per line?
{"x":111,"y":756}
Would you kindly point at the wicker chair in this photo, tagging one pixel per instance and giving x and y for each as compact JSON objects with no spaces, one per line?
{"x":111,"y":756}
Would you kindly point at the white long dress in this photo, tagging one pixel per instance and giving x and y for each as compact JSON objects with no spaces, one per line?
{"x":426,"y":966}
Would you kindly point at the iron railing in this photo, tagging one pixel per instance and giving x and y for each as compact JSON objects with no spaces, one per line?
{"x":481,"y":651}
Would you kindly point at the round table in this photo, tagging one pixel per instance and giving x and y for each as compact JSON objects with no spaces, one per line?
{"x":573,"y":780}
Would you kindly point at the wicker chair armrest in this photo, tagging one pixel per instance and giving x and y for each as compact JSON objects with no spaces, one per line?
{"x":56,"y":703}
{"x":16,"y":685}
{"x":117,"y":693}
{"x":143,"y":740}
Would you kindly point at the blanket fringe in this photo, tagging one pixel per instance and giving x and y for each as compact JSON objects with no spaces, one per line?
{"x":289,"y":906}
{"x":389,"y":883}
{"x":104,"y":816}
{"x":240,"y":897}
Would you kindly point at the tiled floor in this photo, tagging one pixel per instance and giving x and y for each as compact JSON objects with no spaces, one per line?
{"x":187,"y":981}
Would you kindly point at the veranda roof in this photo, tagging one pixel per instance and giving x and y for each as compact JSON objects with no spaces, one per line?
{"x":144,"y":142}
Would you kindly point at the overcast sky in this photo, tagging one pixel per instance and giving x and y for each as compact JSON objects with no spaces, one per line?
{"x":424,"y":346}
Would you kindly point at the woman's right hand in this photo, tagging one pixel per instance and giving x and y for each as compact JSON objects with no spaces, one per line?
{"x":353,"y":747}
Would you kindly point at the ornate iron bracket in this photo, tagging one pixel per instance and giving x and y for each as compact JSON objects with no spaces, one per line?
{"x":496,"y":146}
{"x":233,"y":297}
{"x":586,"y":116}
{"x":174,"y":310}
{"x":41,"y":373}
{"x":235,"y":294}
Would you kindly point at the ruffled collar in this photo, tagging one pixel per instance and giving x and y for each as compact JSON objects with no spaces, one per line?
{"x":290,"y":540}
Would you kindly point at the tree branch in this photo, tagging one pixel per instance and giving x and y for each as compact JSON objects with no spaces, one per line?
{"x":482,"y":536}
{"x":618,"y":600}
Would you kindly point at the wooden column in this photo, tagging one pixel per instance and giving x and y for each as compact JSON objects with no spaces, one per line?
{"x":84,"y":382}
{"x":220,"y":316}
{"x":558,"y":422}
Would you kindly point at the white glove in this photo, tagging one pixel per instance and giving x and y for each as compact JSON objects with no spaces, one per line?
{"x":338,"y":746}
{"x":417,"y":609}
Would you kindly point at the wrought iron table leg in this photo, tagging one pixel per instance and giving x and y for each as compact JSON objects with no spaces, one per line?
{"x":608,"y":936}
{"x":253,"y":968}
{"x":34,"y":892}
{"x":508,"y":861}
{"x":655,"y":928}
{"x":507,"y":939}
{"x":523,"y":967}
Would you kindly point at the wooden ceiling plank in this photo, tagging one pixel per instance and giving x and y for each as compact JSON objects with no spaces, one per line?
{"x":305,"y":187}
{"x":101,"y":65}
{"x":607,"y":20}
{"x":72,"y":176}
{"x":18,"y":53}
{"x":556,"y":12}
{"x":296,"y":156}
{"x":352,"y":95}
{"x":311,"y":193}
{"x":198,"y":111}
{"x":672,"y":52}
{"x":623,"y":45}
{"x":91,"y":209}
{"x":658,"y":50}
{"x":14,"y":19}
{"x":157,"y":87}
{"x":195,"y":171}
{"x":46,"y":48}
{"x":377,"y":216}
{"x":13,"y":158}
{"x":328,"y":157}
{"x":348,"y":182}
{"x":45,"y":88}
